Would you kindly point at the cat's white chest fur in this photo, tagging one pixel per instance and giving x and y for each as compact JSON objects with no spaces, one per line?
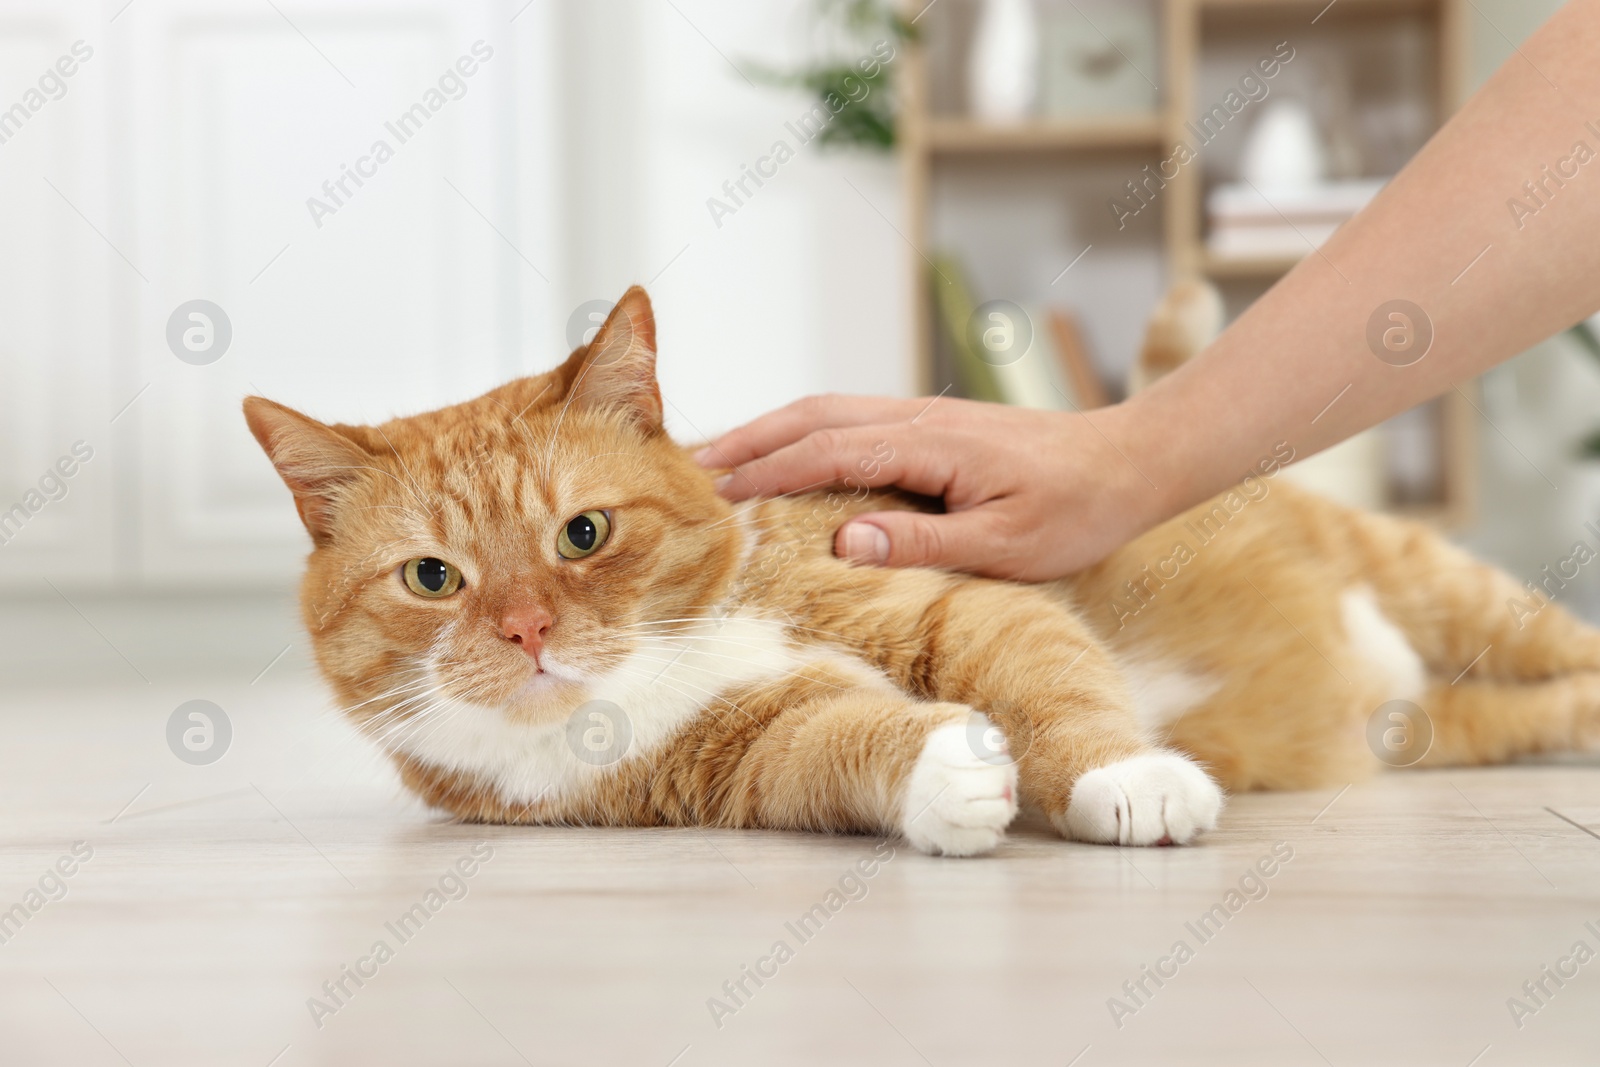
{"x":630,"y":711}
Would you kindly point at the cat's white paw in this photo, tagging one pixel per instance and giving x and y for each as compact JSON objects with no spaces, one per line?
{"x":957,"y":802}
{"x":1159,"y":798}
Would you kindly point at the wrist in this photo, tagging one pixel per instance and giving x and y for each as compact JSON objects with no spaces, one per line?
{"x":1148,"y":456}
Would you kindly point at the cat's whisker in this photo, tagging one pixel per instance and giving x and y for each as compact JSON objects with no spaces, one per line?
{"x":405,"y":715}
{"x":402,"y":686}
{"x":416,"y":708}
{"x":404,"y":708}
{"x":428,"y":718}
{"x":386,"y":694}
{"x":402,"y":724}
{"x":359,"y":735}
{"x":440,"y":717}
{"x":398,"y":713}
{"x":410,"y":685}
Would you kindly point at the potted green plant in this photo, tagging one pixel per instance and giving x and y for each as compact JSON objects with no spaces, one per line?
{"x":849,"y":66}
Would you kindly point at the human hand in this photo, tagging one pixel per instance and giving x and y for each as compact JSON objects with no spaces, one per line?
{"x":1028,"y":494}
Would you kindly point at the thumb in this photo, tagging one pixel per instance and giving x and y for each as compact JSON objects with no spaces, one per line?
{"x":956,"y":541}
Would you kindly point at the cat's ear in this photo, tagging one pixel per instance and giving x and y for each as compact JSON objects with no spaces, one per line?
{"x":314,"y":460}
{"x":617,"y":370}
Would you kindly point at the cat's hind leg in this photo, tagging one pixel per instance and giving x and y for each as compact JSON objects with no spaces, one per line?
{"x":1482,"y":722}
{"x":1510,"y":671}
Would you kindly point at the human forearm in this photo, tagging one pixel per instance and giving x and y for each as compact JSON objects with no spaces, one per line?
{"x":1297,"y":365}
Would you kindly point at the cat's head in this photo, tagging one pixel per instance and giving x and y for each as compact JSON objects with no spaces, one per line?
{"x":509,"y":550}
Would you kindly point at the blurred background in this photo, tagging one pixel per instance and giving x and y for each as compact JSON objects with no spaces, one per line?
{"x":366,"y":207}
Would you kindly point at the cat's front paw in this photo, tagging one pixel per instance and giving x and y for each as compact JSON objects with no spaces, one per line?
{"x":958,"y":802}
{"x":1155,"y":799}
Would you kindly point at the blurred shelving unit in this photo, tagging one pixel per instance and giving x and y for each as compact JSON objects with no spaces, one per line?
{"x":938,"y":138}
{"x":953,"y":136}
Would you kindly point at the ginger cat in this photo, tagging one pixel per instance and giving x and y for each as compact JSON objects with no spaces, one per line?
{"x":537,"y":605}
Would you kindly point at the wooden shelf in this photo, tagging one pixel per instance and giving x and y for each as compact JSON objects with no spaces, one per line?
{"x":1366,"y":7}
{"x":959,"y":136}
{"x":1244,"y":267}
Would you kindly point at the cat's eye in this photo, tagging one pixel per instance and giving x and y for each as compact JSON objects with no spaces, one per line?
{"x":432,"y":578}
{"x":583,"y":534}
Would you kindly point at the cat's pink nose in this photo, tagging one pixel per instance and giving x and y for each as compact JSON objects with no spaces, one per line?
{"x":526,"y":625}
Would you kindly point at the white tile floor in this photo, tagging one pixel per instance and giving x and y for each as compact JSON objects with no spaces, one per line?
{"x":221,"y":898}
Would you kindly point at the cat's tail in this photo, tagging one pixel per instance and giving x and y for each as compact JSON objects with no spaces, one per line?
{"x":1188,"y":318}
{"x":1509,"y":669}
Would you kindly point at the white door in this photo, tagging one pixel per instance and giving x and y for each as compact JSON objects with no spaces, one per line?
{"x":57,"y":467}
{"x":349,"y":189}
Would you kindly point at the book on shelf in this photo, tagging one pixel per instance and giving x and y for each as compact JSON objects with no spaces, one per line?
{"x":1053,"y":371}
{"x":1247,"y":222}
{"x":974,"y":378}
{"x":1072,"y":357}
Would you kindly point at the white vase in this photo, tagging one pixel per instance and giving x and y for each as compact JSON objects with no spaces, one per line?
{"x":1283,"y":150}
{"x":1003,"y":70}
